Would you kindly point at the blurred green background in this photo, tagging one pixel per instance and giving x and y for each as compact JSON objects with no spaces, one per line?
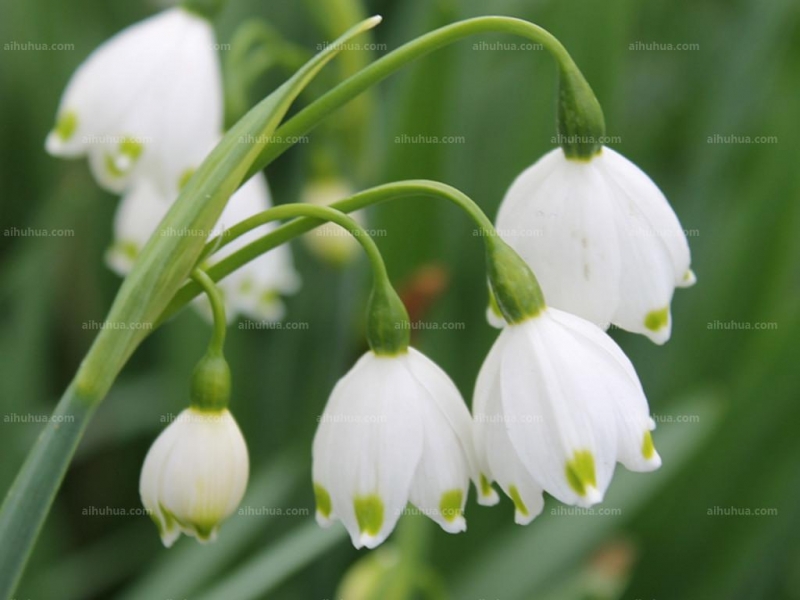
{"x":726,"y":399}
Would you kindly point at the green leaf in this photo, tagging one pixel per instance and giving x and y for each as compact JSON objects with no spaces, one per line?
{"x":163,"y":266}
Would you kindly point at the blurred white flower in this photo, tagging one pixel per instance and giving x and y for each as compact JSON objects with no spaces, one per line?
{"x":557,"y":404}
{"x":602,"y":239}
{"x":253,"y":290}
{"x":147,"y":102}
{"x":330,"y":242}
{"x":194,"y":475}
{"x":395,"y":430}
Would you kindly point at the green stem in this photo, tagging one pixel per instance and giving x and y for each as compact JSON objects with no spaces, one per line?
{"x":39,"y":479}
{"x":161,"y":268}
{"x":297,"y":227}
{"x":217,"y":308}
{"x":570,"y":77}
{"x":387,"y":330}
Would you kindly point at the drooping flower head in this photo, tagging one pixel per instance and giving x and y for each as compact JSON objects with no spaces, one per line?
{"x":195,"y":474}
{"x":556,"y":405}
{"x":395,"y":430}
{"x":144,"y":103}
{"x":602,"y":239}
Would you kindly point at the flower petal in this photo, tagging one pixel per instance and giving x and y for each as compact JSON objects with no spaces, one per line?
{"x":554,"y":393}
{"x":558,"y":216}
{"x":156,"y":84}
{"x":368,"y":447}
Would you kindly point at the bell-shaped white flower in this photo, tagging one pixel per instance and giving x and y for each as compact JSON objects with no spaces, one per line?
{"x":602,"y":239}
{"x":195,"y":475}
{"x":253,"y":290}
{"x":395,"y":430}
{"x":148,"y":102}
{"x":557,"y":404}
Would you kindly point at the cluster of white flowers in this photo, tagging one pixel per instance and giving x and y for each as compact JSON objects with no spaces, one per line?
{"x":556,"y":404}
{"x":146,"y":108}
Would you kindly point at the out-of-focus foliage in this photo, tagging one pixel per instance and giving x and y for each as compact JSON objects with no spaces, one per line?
{"x":726,"y":399}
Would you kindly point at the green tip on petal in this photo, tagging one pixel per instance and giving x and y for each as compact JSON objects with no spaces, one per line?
{"x":369,"y":513}
{"x":130,"y":150}
{"x":323,"y":500}
{"x":656,"y":320}
{"x":66,"y":125}
{"x":580,"y":472}
{"x":648,"y":448}
{"x":516,"y":498}
{"x":268,"y":297}
{"x":486,"y":486}
{"x":128,"y":249}
{"x":450,"y":505}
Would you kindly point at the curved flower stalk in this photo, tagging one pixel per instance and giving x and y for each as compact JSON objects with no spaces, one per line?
{"x":159,"y":272}
{"x":602,"y":239}
{"x":254,"y":290}
{"x":395,"y":430}
{"x":195,"y":475}
{"x":144,"y":102}
{"x":330,"y":242}
{"x":556,"y":405}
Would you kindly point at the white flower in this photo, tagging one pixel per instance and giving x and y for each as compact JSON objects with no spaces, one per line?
{"x":195,"y":475}
{"x":557,"y":404}
{"x":395,"y":430}
{"x":138,"y":216}
{"x":254,"y":289}
{"x":602,"y":239}
{"x":146,"y":102}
